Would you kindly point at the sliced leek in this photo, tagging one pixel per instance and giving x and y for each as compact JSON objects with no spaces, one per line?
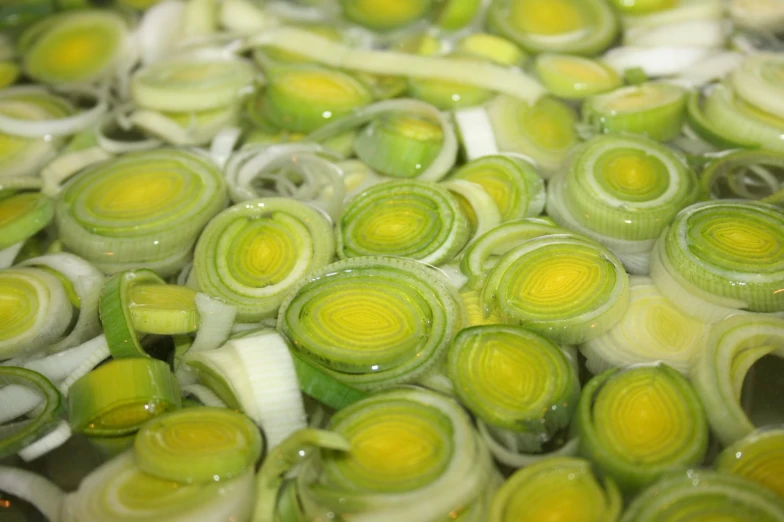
{"x":520,"y":384}
{"x":543,"y":131}
{"x":513,"y":183}
{"x":640,"y":423}
{"x":118,"y":397}
{"x":251,"y":254}
{"x":22,"y":216}
{"x":75,"y":47}
{"x":477,"y":205}
{"x":758,"y":82}
{"x":642,"y":7}
{"x":185,"y":128}
{"x":717,"y":258}
{"x":745,"y":174}
{"x":651,"y":329}
{"x":707,"y":495}
{"x":564,"y":489}
{"x":414,"y":219}
{"x":655,"y":110}
{"x":570,"y":26}
{"x":198,"y":446}
{"x":575,"y":77}
{"x":140,"y":209}
{"x":385,"y":15}
{"x":567,"y":288}
{"x":734,"y":345}
{"x":372,"y":322}
{"x":758,"y":457}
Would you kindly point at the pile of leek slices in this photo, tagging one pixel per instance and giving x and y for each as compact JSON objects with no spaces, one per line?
{"x":391,"y":260}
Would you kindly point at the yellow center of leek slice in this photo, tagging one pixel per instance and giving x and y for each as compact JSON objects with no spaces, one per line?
{"x":134,"y":195}
{"x":18,"y":305}
{"x":394,"y":447}
{"x":547,"y":17}
{"x":739,"y":243}
{"x":579,"y":70}
{"x":759,"y":458}
{"x":385,"y":14}
{"x":632,"y":175}
{"x":558,"y":496}
{"x":635,"y":98}
{"x":549,"y":124}
{"x":14,"y":207}
{"x":123,"y":416}
{"x":415,"y":128}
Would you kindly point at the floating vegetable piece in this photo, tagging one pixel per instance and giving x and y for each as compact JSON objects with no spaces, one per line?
{"x":758,"y":457}
{"x":22,"y":216}
{"x":745,"y":174}
{"x":385,"y":15}
{"x":575,"y":77}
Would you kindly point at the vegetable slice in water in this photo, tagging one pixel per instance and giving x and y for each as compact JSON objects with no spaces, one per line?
{"x":745,"y":174}
{"x":575,"y":77}
{"x":641,"y":423}
{"x":22,"y":216}
{"x":385,"y":15}
{"x":758,"y":457}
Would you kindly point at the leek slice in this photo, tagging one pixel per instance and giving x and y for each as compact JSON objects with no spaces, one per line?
{"x":119,"y":492}
{"x":196,"y":82}
{"x":303,"y":98}
{"x":251,"y":254}
{"x":142,"y":209}
{"x":22,"y":216}
{"x":185,"y":128}
{"x":758,"y":81}
{"x":372,"y":322}
{"x":519,"y":383}
{"x":708,"y":495}
{"x":641,"y":423}
{"x":198,"y":446}
{"x":385,"y":15}
{"x":742,"y":174}
{"x":758,"y":457}
{"x":414,"y":219}
{"x":414,"y":456}
{"x":734,"y":345}
{"x":562,"y":488}
{"x":564,"y":287}
{"x":76,"y":47}
{"x":457,"y":14}
{"x":575,"y":77}
{"x":543,"y":131}
{"x":9,"y":74}
{"x":513,"y":183}
{"x":720,"y":257}
{"x":17,"y":435}
{"x":655,"y":110}
{"x":399,"y":145}
{"x":623,"y":192}
{"x":118,"y":397}
{"x":478,"y":207}
{"x":641,"y":7}
{"x":163,"y":309}
{"x":582,"y":27}
{"x":34,"y":311}
{"x":652,"y":329}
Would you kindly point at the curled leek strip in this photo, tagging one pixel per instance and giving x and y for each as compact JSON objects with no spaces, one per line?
{"x":303,"y":98}
{"x":758,"y":457}
{"x":651,"y":329}
{"x":192,"y":82}
{"x":16,"y":435}
{"x":251,"y":254}
{"x":438,"y":167}
{"x":119,"y":491}
{"x":758,"y":82}
{"x":140,"y":209}
{"x":414,"y":219}
{"x":385,"y":15}
{"x":575,"y":77}
{"x":622,"y":191}
{"x":655,"y":110}
{"x":745,"y":174}
{"x":641,"y":423}
{"x":75,"y":47}
{"x":561,"y":488}
{"x":414,"y":456}
{"x":708,"y":495}
{"x":293,"y":170}
{"x":118,"y":397}
{"x":34,"y":311}
{"x":520,"y":384}
{"x":720,"y":257}
{"x":513,"y":183}
{"x":569,"y":26}
{"x":543,"y":131}
{"x":734,"y":345}
{"x":477,"y":206}
{"x":567,"y":288}
{"x":338,"y":55}
{"x":33,"y":488}
{"x":198,"y":445}
{"x":22,"y":216}
{"x":185,"y":128}
{"x":372,"y":322}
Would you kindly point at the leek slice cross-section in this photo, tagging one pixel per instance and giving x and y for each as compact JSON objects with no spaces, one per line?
{"x":745,"y":174}
{"x":575,"y":77}
{"x":372,"y":322}
{"x":565,"y":287}
{"x":415,"y":219}
{"x":641,"y":423}
{"x":385,"y":15}
{"x":251,"y":254}
{"x":518,"y":382}
{"x":758,"y":457}
{"x":720,"y":257}
{"x":75,"y":47}
{"x":22,"y":216}
{"x":142,"y":209}
{"x":564,"y":489}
